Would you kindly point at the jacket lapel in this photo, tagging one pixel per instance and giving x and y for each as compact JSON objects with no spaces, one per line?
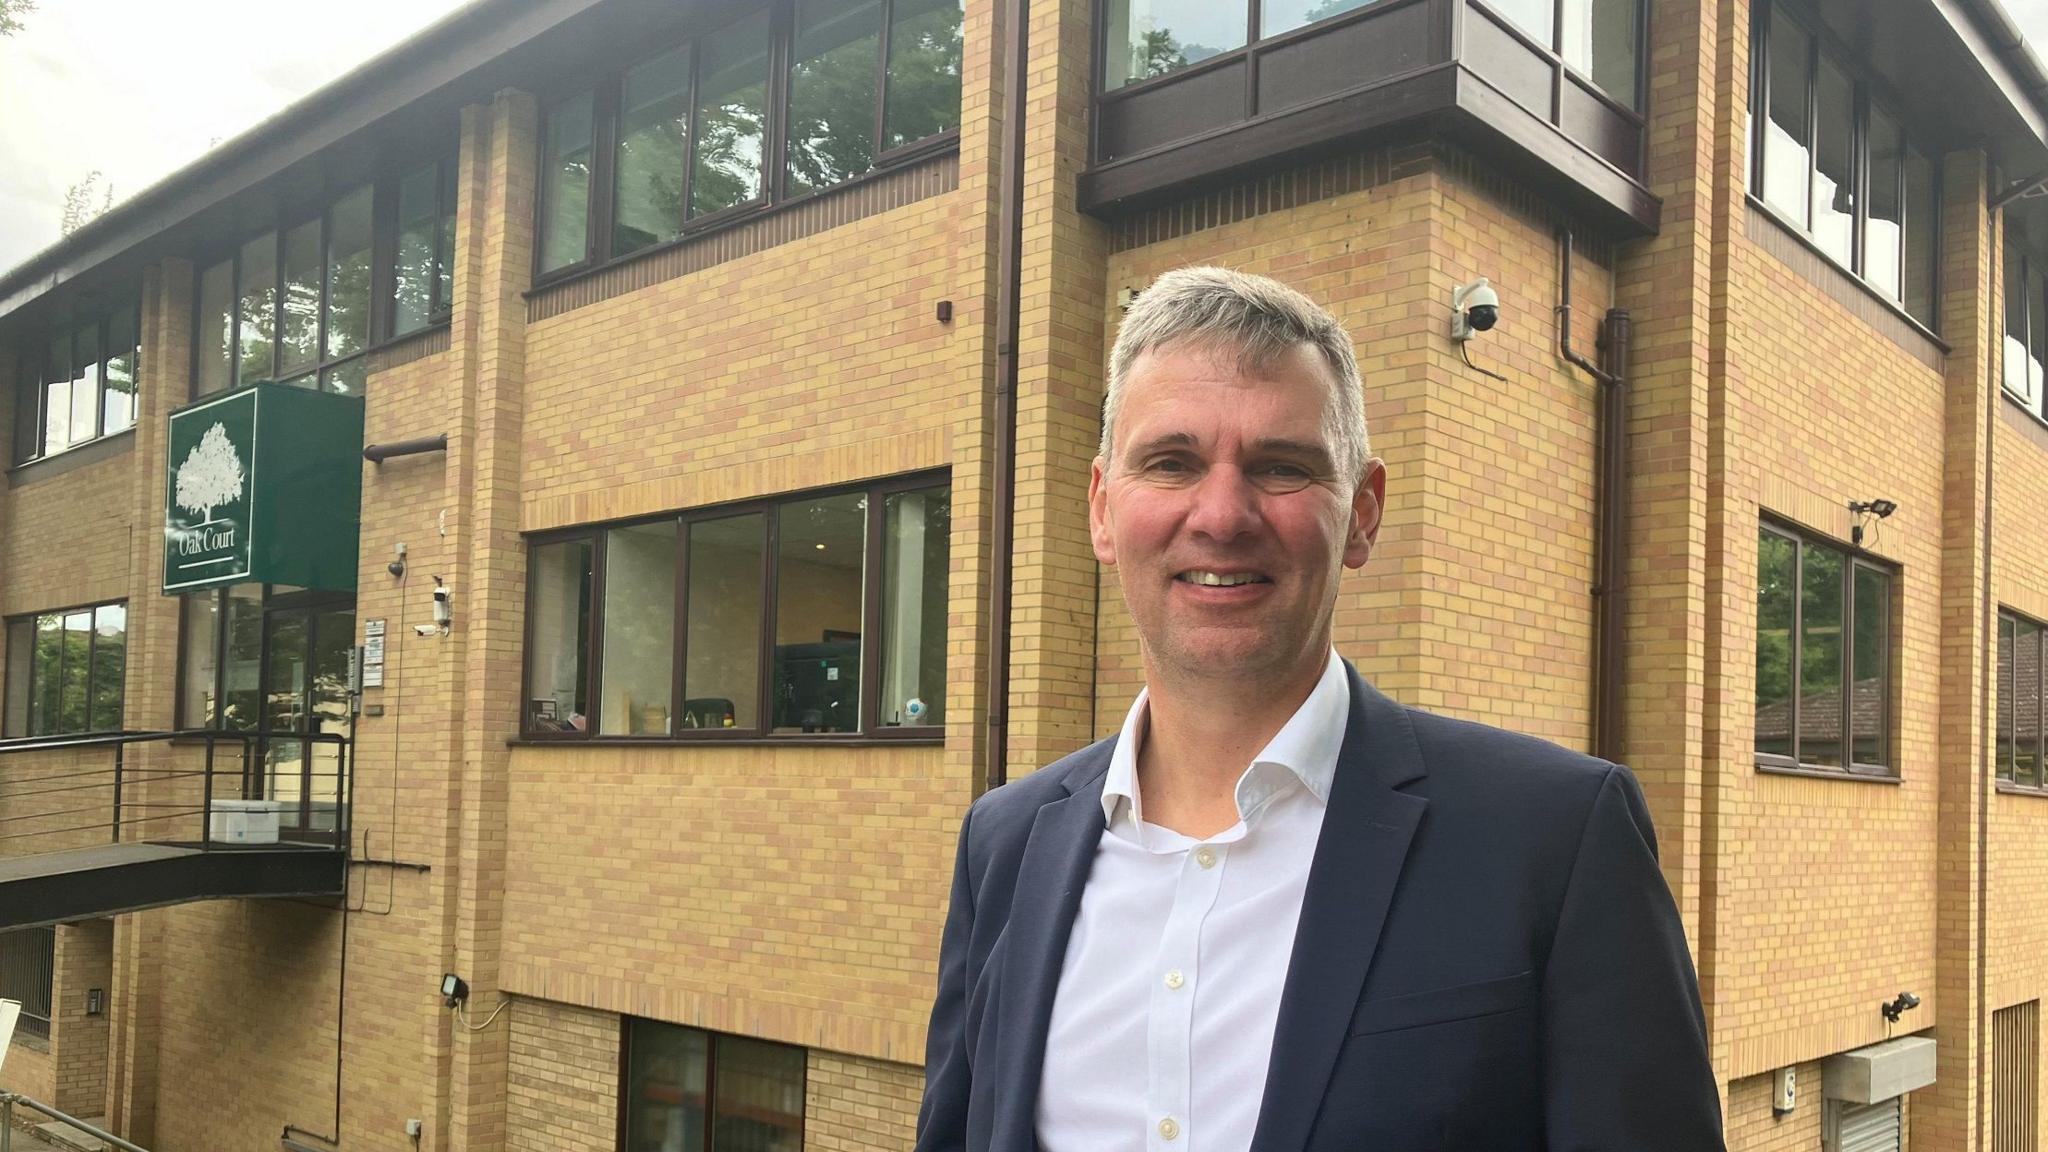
{"x":1050,"y":877}
{"x":1366,"y":832}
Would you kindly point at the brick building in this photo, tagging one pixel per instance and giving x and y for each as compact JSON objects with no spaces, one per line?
{"x":729,"y":373}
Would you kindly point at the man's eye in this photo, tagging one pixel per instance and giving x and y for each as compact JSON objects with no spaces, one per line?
{"x":1169,"y":465}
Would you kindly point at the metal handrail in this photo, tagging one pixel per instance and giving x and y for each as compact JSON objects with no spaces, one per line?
{"x":9,"y":1099}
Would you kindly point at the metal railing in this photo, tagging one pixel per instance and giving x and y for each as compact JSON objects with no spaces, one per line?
{"x":10,"y":1100}
{"x":295,"y":782}
{"x":28,"y":970}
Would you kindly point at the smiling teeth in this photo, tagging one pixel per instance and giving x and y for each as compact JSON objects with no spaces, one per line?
{"x":1215,"y":580}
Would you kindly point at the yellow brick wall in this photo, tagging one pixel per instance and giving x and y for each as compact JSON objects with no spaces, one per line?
{"x":562,"y":1078}
{"x":853,"y":1104}
{"x":67,"y":537}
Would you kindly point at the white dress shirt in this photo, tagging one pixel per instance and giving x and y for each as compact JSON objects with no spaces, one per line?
{"x":1163,"y":1024}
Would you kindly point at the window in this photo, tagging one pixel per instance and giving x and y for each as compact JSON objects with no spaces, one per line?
{"x":2019,"y":701}
{"x":1823,"y":657}
{"x":65,"y":671}
{"x":705,"y":1091}
{"x":302,"y":305}
{"x":686,"y":135}
{"x":1832,"y":162}
{"x":1150,"y":38}
{"x":815,"y":615}
{"x":78,"y":387}
{"x":28,"y":970}
{"x":2025,"y":349}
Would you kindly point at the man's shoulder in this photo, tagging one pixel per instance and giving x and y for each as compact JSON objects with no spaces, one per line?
{"x":1010,"y":809}
{"x":1512,"y":765}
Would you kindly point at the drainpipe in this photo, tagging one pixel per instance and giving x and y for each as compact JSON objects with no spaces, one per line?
{"x":1009,"y":286}
{"x":1611,"y":524}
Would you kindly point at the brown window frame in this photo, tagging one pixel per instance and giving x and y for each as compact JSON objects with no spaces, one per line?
{"x":1822,"y":45}
{"x":1853,"y":559}
{"x":32,"y":388}
{"x":710,"y":1133}
{"x":384,"y":226}
{"x":7,"y":685}
{"x":2005,"y":762}
{"x":870,"y":729}
{"x":601,"y":190}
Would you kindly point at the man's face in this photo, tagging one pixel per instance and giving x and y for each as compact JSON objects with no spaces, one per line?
{"x":1227,"y":513}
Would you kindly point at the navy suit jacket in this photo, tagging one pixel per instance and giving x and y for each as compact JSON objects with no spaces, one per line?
{"x":1487,"y":956}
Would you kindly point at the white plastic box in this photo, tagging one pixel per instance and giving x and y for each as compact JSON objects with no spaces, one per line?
{"x":244,"y":822}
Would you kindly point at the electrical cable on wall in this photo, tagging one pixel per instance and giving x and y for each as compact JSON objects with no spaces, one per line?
{"x":462,"y":1015}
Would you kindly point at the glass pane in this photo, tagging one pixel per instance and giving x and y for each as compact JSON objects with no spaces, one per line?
{"x":346,"y":379}
{"x":1531,"y":16}
{"x":348,"y":275}
{"x":2026,"y":734}
{"x":28,"y":411}
{"x":666,"y":1081}
{"x":732,"y":108}
{"x":1820,"y":658}
{"x":924,"y":70}
{"x":1834,"y":181}
{"x":915,"y":528}
{"x":85,"y":384}
{"x":722,"y":679}
{"x":57,"y":395}
{"x":1881,"y":228}
{"x":832,"y":79}
{"x":1153,"y":37}
{"x":2006,"y":625}
{"x":109,"y":665}
{"x":413,"y":271}
{"x":1870,"y":701}
{"x":241,"y":690}
{"x":1923,"y":226}
{"x":760,"y":1101}
{"x":1277,"y":16}
{"x":284,"y":710}
{"x":654,"y":128}
{"x":117,"y":398}
{"x":1786,"y":162}
{"x":334,"y":637}
{"x":46,"y":686}
{"x":444,"y":253}
{"x":197,"y":674}
{"x":639,"y":630}
{"x":561,"y":631}
{"x":818,"y":571}
{"x":72,"y":713}
{"x":256,"y":315}
{"x":2015,"y":347}
{"x":1776,"y":557}
{"x":1600,"y":38}
{"x":21,"y":647}
{"x":298,"y":346}
{"x":2037,"y":329}
{"x":216,"y":327}
{"x":565,"y":184}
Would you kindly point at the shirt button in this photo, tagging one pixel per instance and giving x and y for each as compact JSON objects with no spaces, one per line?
{"x":1169,"y":1128}
{"x":1206,"y":857}
{"x":1174,"y":979}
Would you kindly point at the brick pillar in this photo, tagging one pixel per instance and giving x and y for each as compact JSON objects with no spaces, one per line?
{"x":495,"y":237}
{"x":85,"y":958}
{"x":149,"y":693}
{"x":1952,"y":1118}
{"x":1061,"y":357}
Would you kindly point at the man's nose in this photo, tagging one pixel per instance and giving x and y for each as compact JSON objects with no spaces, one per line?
{"x":1225,"y":505}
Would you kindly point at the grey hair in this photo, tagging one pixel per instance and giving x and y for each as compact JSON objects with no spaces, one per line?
{"x":1259,"y":319}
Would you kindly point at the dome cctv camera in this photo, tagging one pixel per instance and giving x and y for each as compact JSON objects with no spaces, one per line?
{"x":1475,"y":307}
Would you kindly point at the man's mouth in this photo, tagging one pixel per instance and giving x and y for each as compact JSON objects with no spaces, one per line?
{"x":1220,"y":579}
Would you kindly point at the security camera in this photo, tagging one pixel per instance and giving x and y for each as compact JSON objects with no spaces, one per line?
{"x":1902,"y":1004}
{"x":1475,"y":307}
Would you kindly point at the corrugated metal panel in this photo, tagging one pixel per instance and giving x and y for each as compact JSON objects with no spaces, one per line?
{"x":1864,"y":1127}
{"x":2015,"y":1064}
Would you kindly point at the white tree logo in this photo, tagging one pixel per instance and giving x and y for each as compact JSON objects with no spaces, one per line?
{"x":211,"y":474}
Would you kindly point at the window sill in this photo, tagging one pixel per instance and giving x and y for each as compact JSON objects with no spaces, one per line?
{"x":932,"y":739}
{"x":29,"y":1043}
{"x":2008,"y":788}
{"x":1827,"y":773}
{"x":1798,"y":236}
{"x":71,"y":459}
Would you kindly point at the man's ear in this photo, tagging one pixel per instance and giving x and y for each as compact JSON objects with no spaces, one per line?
{"x":1368,"y":506}
{"x":1099,"y":534}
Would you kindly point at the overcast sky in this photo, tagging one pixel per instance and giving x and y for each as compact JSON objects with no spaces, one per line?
{"x":139,"y":88}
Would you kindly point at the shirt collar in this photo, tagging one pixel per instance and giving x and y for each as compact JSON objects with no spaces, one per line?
{"x":1305,"y":749}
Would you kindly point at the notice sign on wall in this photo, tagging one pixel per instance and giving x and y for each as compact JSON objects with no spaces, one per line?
{"x":206,"y":524}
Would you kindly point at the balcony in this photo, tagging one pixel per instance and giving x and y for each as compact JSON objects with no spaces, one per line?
{"x":1450,"y":68}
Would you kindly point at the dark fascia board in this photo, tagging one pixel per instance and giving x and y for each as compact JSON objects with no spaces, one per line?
{"x":82,"y":886}
{"x":443,"y":53}
{"x":1444,"y":99}
{"x":1984,"y":30}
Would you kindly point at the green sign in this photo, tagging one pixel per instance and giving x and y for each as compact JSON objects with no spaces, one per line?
{"x":264,"y":485}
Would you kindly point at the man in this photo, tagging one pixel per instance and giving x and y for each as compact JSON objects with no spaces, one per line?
{"x":1278,"y":911}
